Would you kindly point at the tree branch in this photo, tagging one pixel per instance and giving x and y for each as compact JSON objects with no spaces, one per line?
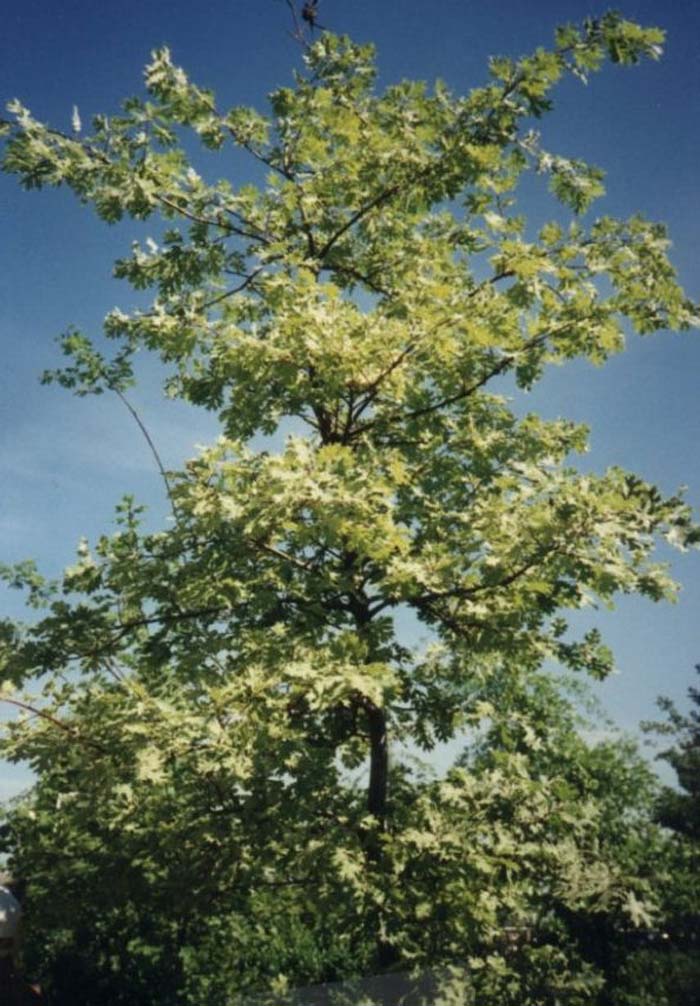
{"x":503,"y":365}
{"x":55,"y":722}
{"x":464,"y":593}
{"x":249,"y":279}
{"x":383,"y":196}
{"x":195,"y":218}
{"x":346,"y":270}
{"x":151,"y":445}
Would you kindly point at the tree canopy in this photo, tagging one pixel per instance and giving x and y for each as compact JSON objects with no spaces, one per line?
{"x":216,"y":703}
{"x":679,"y":808}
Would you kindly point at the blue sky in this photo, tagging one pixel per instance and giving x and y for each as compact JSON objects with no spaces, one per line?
{"x":64,"y":462}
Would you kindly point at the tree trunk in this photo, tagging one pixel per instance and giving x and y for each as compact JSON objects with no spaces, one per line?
{"x":377,"y":790}
{"x":377,"y":799}
{"x":378,"y":766}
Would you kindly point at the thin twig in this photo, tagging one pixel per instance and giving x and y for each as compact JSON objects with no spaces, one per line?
{"x":298,"y":33}
{"x":195,"y":218}
{"x":284,"y":556}
{"x":151,"y":445}
{"x":250,"y":278}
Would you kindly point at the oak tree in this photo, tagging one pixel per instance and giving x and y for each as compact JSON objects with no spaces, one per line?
{"x":207,"y":695}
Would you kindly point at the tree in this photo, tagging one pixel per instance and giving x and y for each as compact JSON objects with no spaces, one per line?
{"x":207,"y":692}
{"x":679,"y":809}
{"x":672,"y":976}
{"x":631,"y":923}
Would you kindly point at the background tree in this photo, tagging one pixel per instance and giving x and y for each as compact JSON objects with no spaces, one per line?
{"x":645,"y":947}
{"x":206,"y":693}
{"x":673,"y":975}
{"x":679,"y":809}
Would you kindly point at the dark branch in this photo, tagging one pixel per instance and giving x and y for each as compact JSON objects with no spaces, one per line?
{"x":382,"y":197}
{"x":55,"y":722}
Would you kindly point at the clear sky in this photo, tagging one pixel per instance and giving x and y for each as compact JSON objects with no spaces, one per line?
{"x":64,"y":462}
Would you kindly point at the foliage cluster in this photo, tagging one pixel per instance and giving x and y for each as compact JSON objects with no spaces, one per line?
{"x":216,"y":703}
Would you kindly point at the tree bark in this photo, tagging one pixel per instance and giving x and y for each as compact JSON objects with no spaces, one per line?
{"x":377,"y":805}
{"x":377,"y":790}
